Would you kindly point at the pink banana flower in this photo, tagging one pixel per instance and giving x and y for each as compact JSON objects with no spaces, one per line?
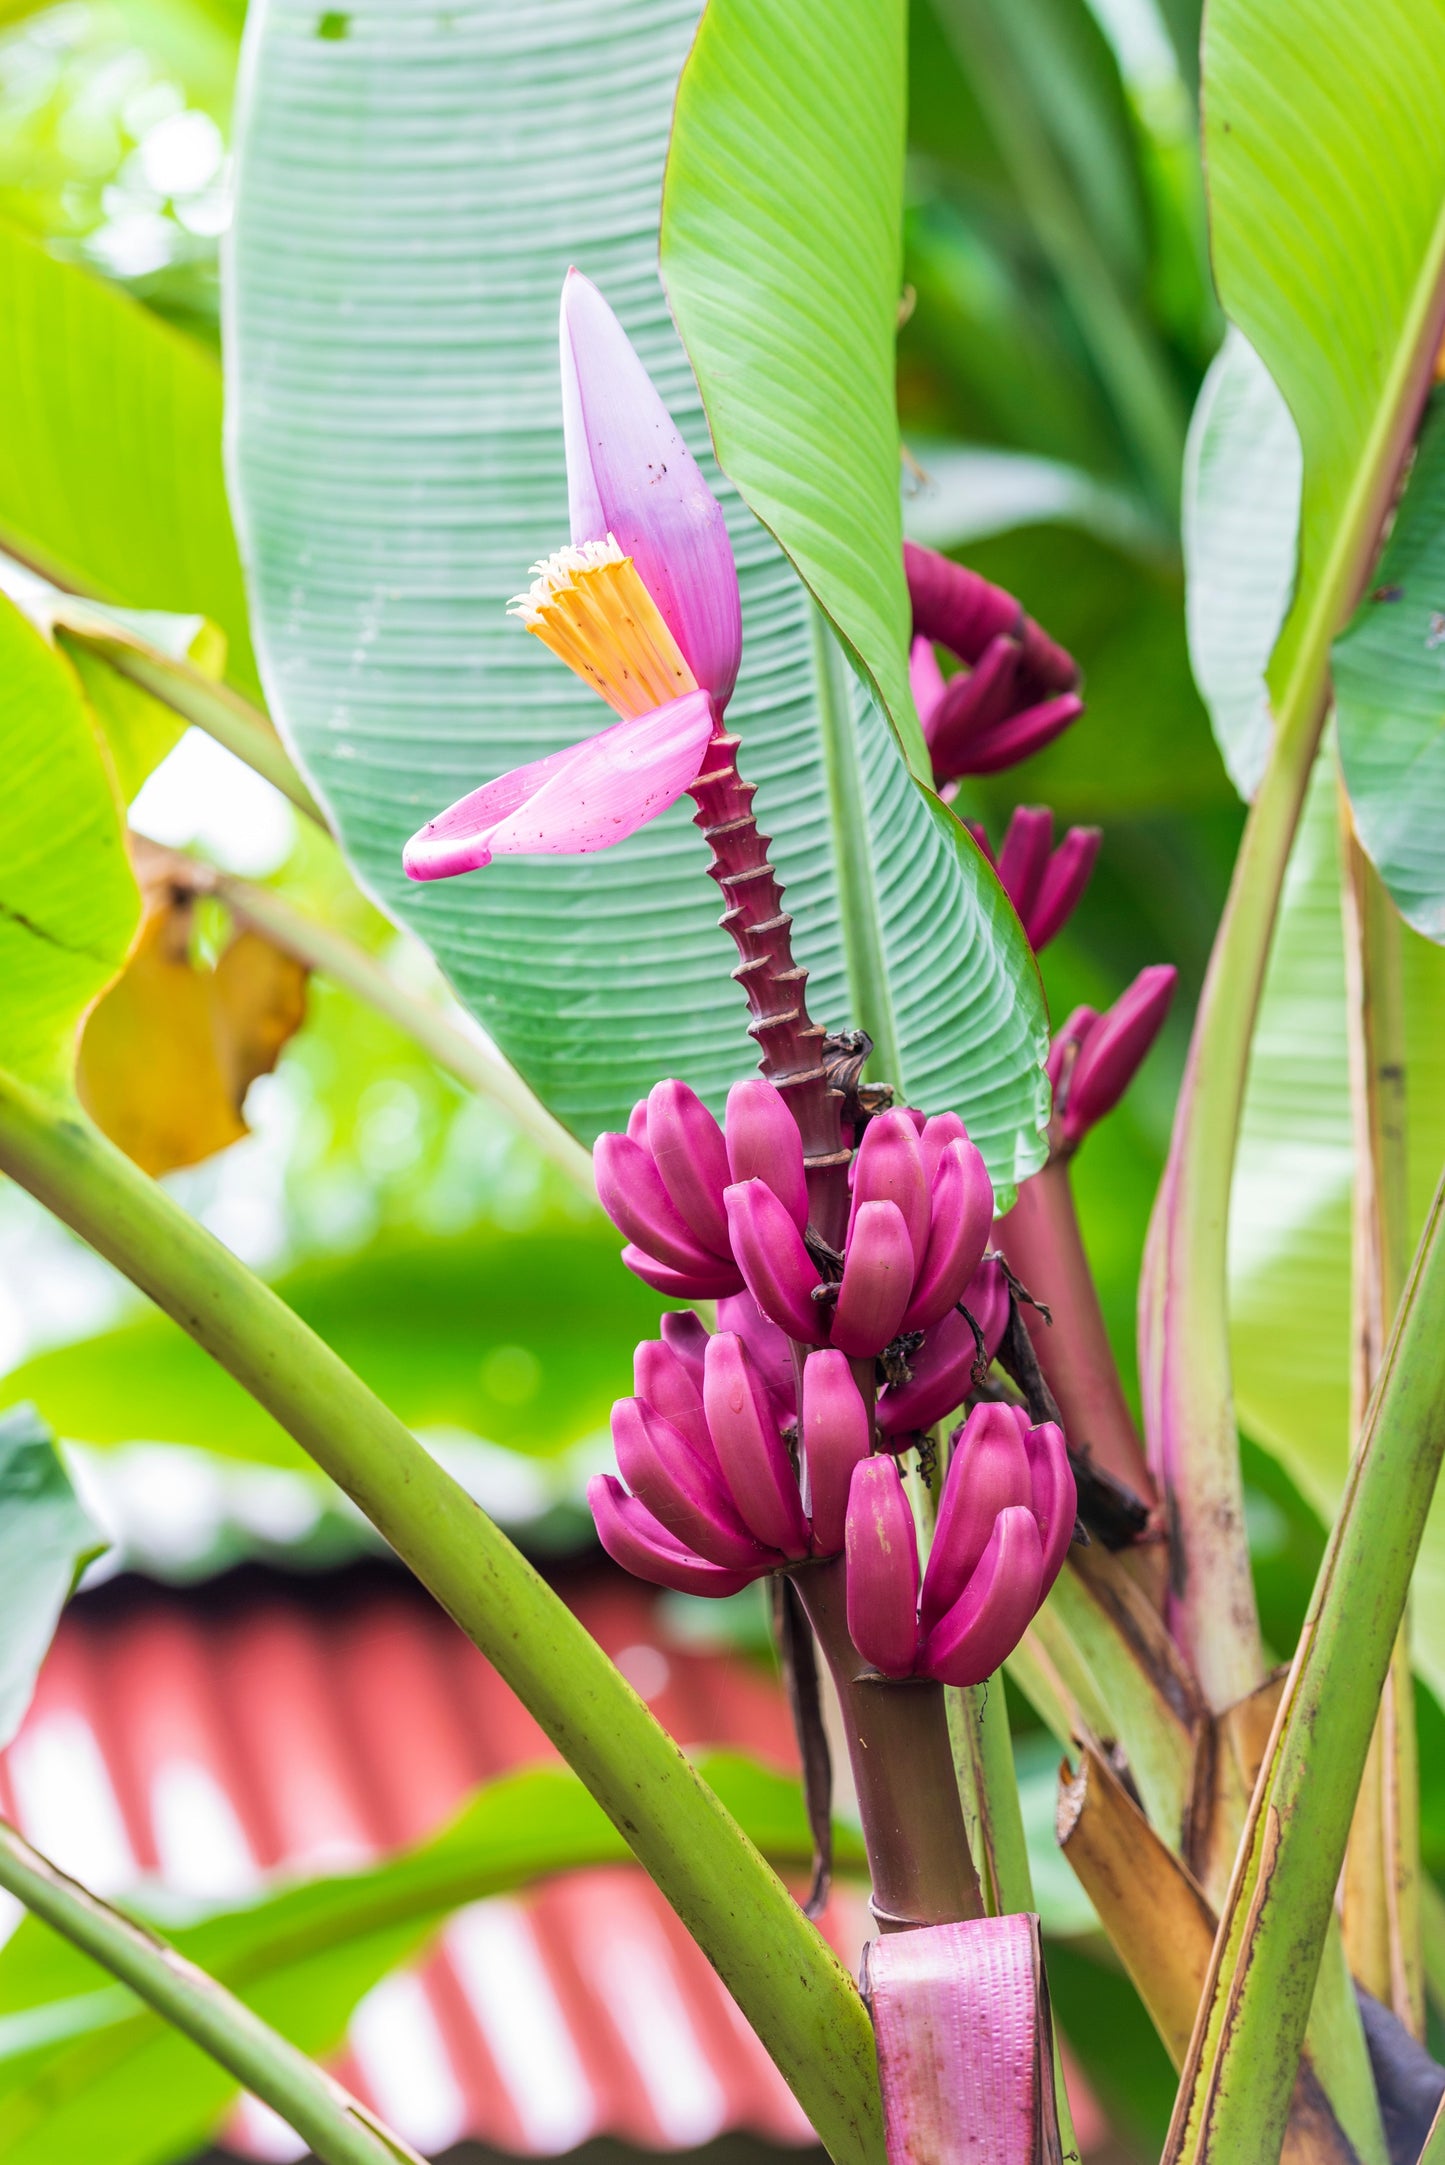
{"x":1005,"y":1520}
{"x":915,"y":1238}
{"x":1094,"y":1058}
{"x":643,"y":604}
{"x":1044,"y":884}
{"x":1018,"y":689}
{"x":714,"y":1498}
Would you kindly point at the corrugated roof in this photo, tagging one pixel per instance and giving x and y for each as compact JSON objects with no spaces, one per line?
{"x":210,"y":1743}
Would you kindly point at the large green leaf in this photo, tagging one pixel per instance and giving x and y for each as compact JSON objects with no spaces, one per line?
{"x":408,"y":203}
{"x":1325,"y":147}
{"x":45,"y":1539}
{"x":110,"y":447}
{"x":522,"y":1339}
{"x":1290,"y":1232}
{"x":1242,"y":477}
{"x":1389,"y":672}
{"x":84,"y":2073}
{"x":68,"y":904}
{"x":1315,"y":114}
{"x":147,"y":673}
{"x":782,"y":239}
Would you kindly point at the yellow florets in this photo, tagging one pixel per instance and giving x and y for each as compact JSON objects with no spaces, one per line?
{"x":590,"y":606}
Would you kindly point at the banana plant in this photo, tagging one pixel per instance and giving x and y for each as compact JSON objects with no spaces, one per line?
{"x":616,"y":297}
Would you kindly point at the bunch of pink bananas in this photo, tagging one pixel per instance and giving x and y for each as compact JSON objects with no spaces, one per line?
{"x":716,"y":1501}
{"x":1094,"y":1056}
{"x":1017,"y":689}
{"x":1005,"y":1519}
{"x":709,"y":1210}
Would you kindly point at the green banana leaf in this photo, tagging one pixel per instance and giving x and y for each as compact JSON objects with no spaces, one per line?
{"x":408,"y":203}
{"x":46,"y":1540}
{"x":110,"y":464}
{"x":68,"y":904}
{"x":1314,"y":116}
{"x":1290,"y":1232}
{"x":1389,"y":674}
{"x":1242,"y":480}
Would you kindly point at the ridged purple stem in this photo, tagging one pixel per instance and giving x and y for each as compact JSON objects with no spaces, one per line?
{"x":790,"y":1043}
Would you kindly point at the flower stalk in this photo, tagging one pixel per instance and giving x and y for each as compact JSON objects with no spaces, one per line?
{"x":898,"y":1746}
{"x":774,"y":985}
{"x":1042,"y":1241}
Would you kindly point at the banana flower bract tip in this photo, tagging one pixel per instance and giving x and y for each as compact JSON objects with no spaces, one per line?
{"x":642,"y":604}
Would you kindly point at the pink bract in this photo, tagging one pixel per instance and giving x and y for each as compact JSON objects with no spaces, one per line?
{"x":629,"y":474}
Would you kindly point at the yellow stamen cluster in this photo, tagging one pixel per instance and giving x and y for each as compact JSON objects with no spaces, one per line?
{"x":590,"y":607}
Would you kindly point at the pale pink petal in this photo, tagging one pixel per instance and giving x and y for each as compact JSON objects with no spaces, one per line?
{"x":630,"y":474}
{"x":459,"y":839}
{"x":575,"y":801}
{"x":613,"y":784}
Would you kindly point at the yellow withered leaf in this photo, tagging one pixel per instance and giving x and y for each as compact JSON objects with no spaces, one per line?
{"x":169,"y":1052}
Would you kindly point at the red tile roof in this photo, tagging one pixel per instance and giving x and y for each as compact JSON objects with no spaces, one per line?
{"x":211,"y":1739}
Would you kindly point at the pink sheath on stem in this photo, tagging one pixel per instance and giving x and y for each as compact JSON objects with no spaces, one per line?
{"x":763,"y":1143}
{"x":674,"y":1389}
{"x":1053,"y":1494}
{"x":1114,"y":1049}
{"x":888,"y":1168}
{"x":877,"y":1281}
{"x":882,"y":1551}
{"x":688,"y":1150}
{"x":682,"y":1490}
{"x":835,"y":1439}
{"x":778,"y":1269}
{"x":994,"y":1610}
{"x":642,"y":1545}
{"x":1067,"y":1044}
{"x":768,"y":1348}
{"x":965,"y":2046}
{"x":714,"y":1283}
{"x":989,"y":1471}
{"x":630,"y":1190}
{"x":753,"y":1457}
{"x":961,"y":1206}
